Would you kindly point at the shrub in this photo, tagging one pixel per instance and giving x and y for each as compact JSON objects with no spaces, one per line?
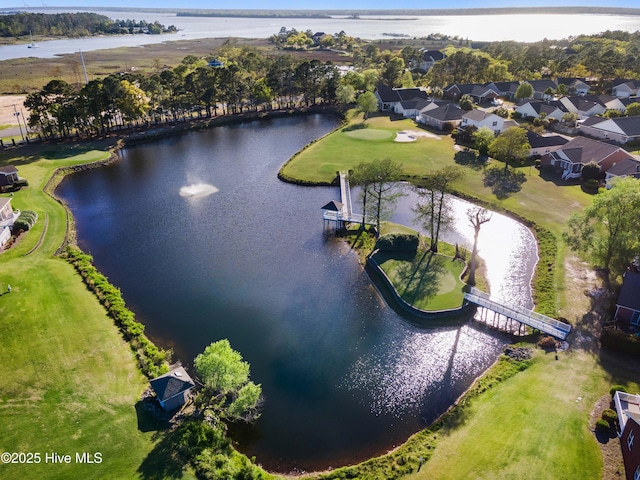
{"x":398,"y":242}
{"x":610,"y":416}
{"x":548,"y":343}
{"x":355,"y":126}
{"x":617,"y":388}
{"x":591,"y":185}
{"x":602,"y":426}
{"x":21,"y":225}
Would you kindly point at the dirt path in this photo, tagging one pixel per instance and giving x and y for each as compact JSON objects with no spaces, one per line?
{"x":7,"y":102}
{"x":586,"y":312}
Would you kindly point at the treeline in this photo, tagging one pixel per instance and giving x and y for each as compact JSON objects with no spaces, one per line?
{"x":247,"y":81}
{"x":252,"y":14}
{"x":244,"y":79}
{"x":80,"y":24}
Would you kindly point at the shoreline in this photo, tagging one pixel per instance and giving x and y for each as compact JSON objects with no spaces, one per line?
{"x":126,"y":140}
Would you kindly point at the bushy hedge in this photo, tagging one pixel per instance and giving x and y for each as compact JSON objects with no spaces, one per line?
{"x":610,"y":416}
{"x":620,"y":342}
{"x":25,"y":221}
{"x":617,"y":388}
{"x":355,"y":126}
{"x":398,"y":242}
{"x":151,"y":360}
{"x":602,"y":426}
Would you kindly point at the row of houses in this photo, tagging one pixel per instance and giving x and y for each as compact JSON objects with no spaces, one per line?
{"x":542,"y":89}
{"x":564,"y":156}
{"x":583,"y":106}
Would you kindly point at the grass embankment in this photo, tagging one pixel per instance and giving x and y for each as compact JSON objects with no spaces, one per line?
{"x":70,"y":382}
{"x":536,"y":425}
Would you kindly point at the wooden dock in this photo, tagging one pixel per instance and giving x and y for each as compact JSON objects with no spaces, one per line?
{"x":522,"y":315}
{"x":345,"y":213}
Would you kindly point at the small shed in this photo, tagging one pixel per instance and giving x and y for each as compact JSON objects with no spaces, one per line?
{"x":172,"y":389}
{"x":8,"y":176}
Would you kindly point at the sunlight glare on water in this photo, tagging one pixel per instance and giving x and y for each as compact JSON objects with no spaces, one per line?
{"x":403,"y":373}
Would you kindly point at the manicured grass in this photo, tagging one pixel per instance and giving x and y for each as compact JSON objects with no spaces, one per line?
{"x":341,"y":151}
{"x":70,"y":382}
{"x":535,"y":426}
{"x":369,"y":134}
{"x":542,"y":200}
{"x":425,"y":280}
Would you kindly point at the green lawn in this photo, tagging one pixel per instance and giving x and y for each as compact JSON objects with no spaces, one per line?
{"x":344,"y":150}
{"x":534,"y":426}
{"x":541,"y":200}
{"x":70,"y":382}
{"x":425,"y":280}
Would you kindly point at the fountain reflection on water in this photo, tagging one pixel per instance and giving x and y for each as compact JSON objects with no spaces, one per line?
{"x":198,"y":190}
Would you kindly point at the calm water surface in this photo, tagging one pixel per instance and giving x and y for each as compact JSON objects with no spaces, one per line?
{"x":344,"y":377}
{"x":474,"y":27}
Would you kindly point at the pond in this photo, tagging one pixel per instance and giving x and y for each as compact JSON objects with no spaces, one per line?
{"x":206,"y":243}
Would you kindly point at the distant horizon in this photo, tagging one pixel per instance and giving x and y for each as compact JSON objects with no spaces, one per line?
{"x":311,"y":5}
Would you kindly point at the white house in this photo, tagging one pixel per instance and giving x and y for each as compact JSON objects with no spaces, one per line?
{"x":537,"y":108}
{"x":625,"y":88}
{"x":441,"y":116}
{"x":621,"y":130}
{"x":582,"y":107}
{"x":480,"y":118}
{"x":7,"y":219}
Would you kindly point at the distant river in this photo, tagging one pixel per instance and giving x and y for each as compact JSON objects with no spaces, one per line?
{"x":524,"y":28}
{"x":206,"y":243}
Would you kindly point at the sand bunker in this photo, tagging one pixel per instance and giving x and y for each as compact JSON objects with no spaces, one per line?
{"x":412,"y":135}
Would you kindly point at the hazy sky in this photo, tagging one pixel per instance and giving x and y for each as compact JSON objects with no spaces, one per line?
{"x":314,"y":5}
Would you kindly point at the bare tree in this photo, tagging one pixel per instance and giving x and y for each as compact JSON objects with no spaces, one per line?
{"x":477,"y":217}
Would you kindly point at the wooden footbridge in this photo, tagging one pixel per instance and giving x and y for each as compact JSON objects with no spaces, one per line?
{"x":342,"y":212}
{"x":535,"y":320}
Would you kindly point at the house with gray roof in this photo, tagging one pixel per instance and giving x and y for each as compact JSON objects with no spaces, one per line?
{"x":590,"y":105}
{"x":480,"y":118}
{"x":391,"y":99}
{"x":173,"y":389}
{"x":8,"y":176}
{"x":442,"y":116}
{"x":541,"y":86}
{"x":479,"y":93}
{"x":620,"y":130}
{"x":543,"y":144}
{"x":569,"y":159}
{"x":504,"y":89}
{"x":627,"y":167}
{"x":538,"y":108}
{"x":575,"y":86}
{"x":429,"y":58}
{"x":623,"y":88}
{"x":628,"y":303}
